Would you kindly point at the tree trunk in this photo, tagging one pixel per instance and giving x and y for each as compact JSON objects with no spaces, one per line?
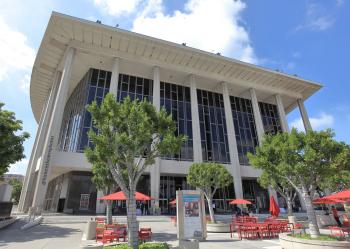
{"x":211,"y":210}
{"x":313,"y":227}
{"x":109,"y":212}
{"x":133,"y":229}
{"x":289,"y":206}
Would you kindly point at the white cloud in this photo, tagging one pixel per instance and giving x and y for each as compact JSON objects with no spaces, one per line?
{"x":320,"y":122}
{"x":25,"y":83}
{"x":318,"y":18}
{"x":15,"y":53}
{"x":19,"y":167}
{"x":117,"y":7}
{"x":210,"y":25}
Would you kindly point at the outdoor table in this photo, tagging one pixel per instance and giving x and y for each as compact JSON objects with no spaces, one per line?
{"x":262,"y":229}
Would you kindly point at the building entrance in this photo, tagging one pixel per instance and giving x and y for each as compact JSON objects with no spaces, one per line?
{"x":167,"y":192}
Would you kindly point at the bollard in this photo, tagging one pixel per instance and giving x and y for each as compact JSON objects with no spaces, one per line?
{"x":90,"y":230}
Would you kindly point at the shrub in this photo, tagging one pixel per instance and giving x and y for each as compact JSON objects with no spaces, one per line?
{"x":147,"y":245}
{"x":154,"y":246}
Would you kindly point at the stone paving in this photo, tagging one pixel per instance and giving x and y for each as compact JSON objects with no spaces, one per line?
{"x":63,"y":231}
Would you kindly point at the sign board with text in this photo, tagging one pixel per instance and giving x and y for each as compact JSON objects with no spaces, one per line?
{"x":190,"y":207}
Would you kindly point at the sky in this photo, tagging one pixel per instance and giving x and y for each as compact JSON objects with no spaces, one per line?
{"x":309,"y":38}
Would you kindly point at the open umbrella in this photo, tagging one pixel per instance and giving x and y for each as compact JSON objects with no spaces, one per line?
{"x":327,"y":200}
{"x":274,"y":208}
{"x":240,"y":202}
{"x":120,"y":196}
{"x":343,"y":195}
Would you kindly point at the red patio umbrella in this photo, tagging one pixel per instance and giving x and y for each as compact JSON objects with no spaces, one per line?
{"x":274,"y":208}
{"x":343,"y":195}
{"x":240,"y":202}
{"x":120,"y":196}
{"x":173,"y":202}
{"x":327,"y":200}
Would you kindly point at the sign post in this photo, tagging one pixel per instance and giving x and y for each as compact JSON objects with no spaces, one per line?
{"x":191,"y":222}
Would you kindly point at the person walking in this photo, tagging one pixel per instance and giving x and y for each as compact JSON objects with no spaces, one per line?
{"x":336,"y":216}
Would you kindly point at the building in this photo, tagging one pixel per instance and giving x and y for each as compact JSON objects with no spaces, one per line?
{"x":223,"y":105}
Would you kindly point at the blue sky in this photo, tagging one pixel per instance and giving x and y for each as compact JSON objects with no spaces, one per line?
{"x":307,"y":37}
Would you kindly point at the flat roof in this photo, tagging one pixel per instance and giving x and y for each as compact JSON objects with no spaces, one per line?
{"x":86,"y":36}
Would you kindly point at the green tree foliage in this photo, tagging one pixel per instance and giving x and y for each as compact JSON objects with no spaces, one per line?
{"x":304,"y":160}
{"x":16,"y":191}
{"x":281,"y":185}
{"x":130,"y":136}
{"x":209,"y":177}
{"x":104,"y":181}
{"x":11,"y":142}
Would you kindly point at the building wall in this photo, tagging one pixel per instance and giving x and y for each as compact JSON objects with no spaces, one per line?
{"x":216,"y":128}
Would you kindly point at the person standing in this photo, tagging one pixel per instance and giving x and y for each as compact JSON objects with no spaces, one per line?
{"x":336,"y":216}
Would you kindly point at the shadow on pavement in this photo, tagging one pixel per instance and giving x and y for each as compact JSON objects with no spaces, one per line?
{"x":13,"y":233}
{"x":164,"y":237}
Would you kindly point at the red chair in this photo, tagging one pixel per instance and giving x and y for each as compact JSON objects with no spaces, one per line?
{"x":274,"y":229}
{"x":145,"y":234}
{"x":345,"y":220}
{"x":336,"y":231}
{"x":100,"y":220}
{"x":99,"y":233}
{"x":264,"y":231}
{"x":248,"y":231}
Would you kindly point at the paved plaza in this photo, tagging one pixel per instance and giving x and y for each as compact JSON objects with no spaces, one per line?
{"x":58,"y":231}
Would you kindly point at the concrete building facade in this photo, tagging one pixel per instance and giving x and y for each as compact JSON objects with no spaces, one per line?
{"x":224,"y":106}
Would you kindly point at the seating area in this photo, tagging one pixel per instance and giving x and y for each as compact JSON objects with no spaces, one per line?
{"x":250,"y":228}
{"x":108,"y":233}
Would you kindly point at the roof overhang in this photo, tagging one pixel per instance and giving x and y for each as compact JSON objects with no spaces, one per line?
{"x":89,"y":37}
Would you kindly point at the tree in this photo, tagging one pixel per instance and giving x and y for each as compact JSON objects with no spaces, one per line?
{"x":128,"y":138}
{"x":11,"y":143}
{"x":282,"y":186}
{"x":104,"y":181}
{"x":341,"y":180}
{"x":209,"y":177}
{"x":16,"y":191}
{"x":304,"y":160}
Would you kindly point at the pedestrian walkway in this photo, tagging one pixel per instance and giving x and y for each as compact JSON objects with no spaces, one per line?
{"x":65,"y":231}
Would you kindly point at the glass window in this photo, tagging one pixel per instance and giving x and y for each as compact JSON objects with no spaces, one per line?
{"x":212,"y":127}
{"x":246,"y":136}
{"x":172,"y":97}
{"x":270,"y":117}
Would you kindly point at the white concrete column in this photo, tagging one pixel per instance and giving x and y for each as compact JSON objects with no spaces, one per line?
{"x":304,"y":115}
{"x":54,"y":126}
{"x":113,"y":87}
{"x":29,"y":185}
{"x":100,"y":205}
{"x":232,"y":144}
{"x":155,"y":169}
{"x":282,"y":114}
{"x":197,"y":146}
{"x":257,"y":115}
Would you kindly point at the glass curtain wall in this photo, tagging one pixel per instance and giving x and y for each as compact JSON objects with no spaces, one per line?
{"x":270,"y":118}
{"x":213,"y":129}
{"x":176,"y":100}
{"x":134,"y":87}
{"x":95,"y":84}
{"x":253,"y":192}
{"x":243,"y":120}
{"x":76,"y":120}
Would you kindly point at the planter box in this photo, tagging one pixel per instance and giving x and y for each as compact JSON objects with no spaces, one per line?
{"x":218,"y":227}
{"x":288,"y":242}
